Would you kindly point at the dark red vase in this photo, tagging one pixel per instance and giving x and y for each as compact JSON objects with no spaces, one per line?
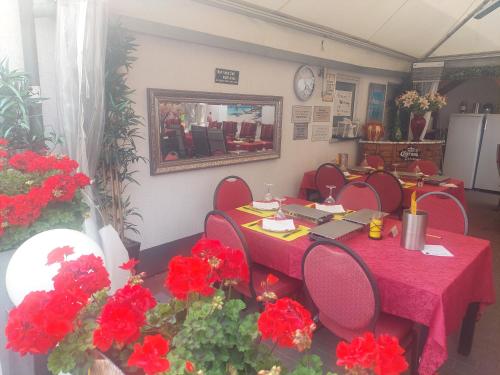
{"x":417,"y":126}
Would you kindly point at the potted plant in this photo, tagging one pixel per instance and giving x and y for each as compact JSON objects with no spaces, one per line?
{"x":121,"y":130}
{"x":201,"y":330}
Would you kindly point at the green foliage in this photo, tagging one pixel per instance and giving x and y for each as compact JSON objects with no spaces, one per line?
{"x":309,"y":365}
{"x":74,"y":352}
{"x":219,"y":339}
{"x":17,"y":122}
{"x":461,"y":74}
{"x":122,"y":128}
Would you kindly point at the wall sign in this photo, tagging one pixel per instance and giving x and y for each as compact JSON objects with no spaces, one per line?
{"x":320,"y":133}
{"x":229,"y":77}
{"x":376,"y":103}
{"x":300,"y":131}
{"x":301,"y":113}
{"x":328,"y":86}
{"x":321,"y":113}
{"x":409,"y":153}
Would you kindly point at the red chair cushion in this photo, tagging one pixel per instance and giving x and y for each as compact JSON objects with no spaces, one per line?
{"x":388,"y":189}
{"x":231,"y":194}
{"x":426,"y":166}
{"x":328,"y":174}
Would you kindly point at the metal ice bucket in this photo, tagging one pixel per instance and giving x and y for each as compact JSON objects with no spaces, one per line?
{"x":414,"y":228}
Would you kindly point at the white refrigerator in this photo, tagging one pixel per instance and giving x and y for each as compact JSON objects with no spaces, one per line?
{"x":471,"y":150}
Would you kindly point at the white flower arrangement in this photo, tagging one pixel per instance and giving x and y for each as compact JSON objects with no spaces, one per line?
{"x":420,"y":104}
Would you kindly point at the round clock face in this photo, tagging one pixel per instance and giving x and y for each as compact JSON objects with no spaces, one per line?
{"x":303,"y":82}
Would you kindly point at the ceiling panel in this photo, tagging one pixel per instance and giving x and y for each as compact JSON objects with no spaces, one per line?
{"x":269,"y":4}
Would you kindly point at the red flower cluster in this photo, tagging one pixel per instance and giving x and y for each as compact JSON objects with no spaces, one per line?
{"x":188,"y":275}
{"x":151,"y":355}
{"x":59,"y":254}
{"x":287,"y":323}
{"x":130,"y":264}
{"x":382,"y":355}
{"x":24,"y":209}
{"x":82,"y":277}
{"x":227,"y":264}
{"x":122,"y":317}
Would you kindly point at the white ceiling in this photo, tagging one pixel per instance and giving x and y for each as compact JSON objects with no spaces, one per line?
{"x":411,"y":27}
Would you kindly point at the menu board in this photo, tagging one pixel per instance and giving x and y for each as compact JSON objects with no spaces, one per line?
{"x":321,"y":113}
{"x":300,"y":130}
{"x":301,"y":113}
{"x":320,"y":132}
{"x":343,"y":103}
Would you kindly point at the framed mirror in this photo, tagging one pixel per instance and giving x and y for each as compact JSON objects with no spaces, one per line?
{"x":192,"y":130}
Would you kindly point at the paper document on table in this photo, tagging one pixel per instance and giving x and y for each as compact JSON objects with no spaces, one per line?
{"x":450,"y":185}
{"x":278,"y":225}
{"x":265,"y":205}
{"x":436,"y":250}
{"x":333,"y":209}
{"x":347,"y":174}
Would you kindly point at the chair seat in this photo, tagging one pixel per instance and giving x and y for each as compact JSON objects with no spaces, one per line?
{"x":386,"y":324}
{"x":286,"y":286}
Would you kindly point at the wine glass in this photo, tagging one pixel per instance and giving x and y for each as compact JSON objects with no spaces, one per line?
{"x":280,"y":215}
{"x":268,"y":197}
{"x":330,"y":200}
{"x":364,"y":163}
{"x":395,"y":173}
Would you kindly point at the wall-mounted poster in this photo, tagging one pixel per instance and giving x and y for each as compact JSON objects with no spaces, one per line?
{"x":376,"y":103}
{"x":321,"y":113}
{"x":328,"y":86}
{"x":320,"y":132}
{"x":343,"y":103}
{"x":301,"y":113}
{"x":300,"y":131}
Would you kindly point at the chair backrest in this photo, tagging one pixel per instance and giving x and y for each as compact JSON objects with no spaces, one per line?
{"x":357,"y":195}
{"x":181,"y":137}
{"x":426,"y":166}
{"x":200,"y":140}
{"x":229,"y":128}
{"x":216,"y":141}
{"x":444,"y":212}
{"x":266,"y":132}
{"x":329,"y":174}
{"x":388,"y":189}
{"x":248,"y":130}
{"x":232,"y":192}
{"x":219,"y":226}
{"x":375,"y":161}
{"x":341,"y":286}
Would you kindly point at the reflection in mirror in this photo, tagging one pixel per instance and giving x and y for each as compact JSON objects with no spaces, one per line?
{"x":190,"y":130}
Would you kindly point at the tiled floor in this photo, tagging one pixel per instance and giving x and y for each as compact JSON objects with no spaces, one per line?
{"x":485,"y":356}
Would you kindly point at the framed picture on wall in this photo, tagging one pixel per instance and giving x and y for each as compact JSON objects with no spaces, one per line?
{"x":376,"y":103}
{"x":344,"y":105}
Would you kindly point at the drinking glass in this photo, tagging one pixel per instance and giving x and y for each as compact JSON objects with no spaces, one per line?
{"x":330,"y":200}
{"x":364,"y":163}
{"x":395,"y":173}
{"x":280,"y":215}
{"x":268,"y":197}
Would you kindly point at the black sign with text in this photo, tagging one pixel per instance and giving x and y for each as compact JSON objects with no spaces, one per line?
{"x":229,"y":77}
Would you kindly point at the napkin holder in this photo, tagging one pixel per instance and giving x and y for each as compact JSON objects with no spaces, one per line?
{"x":414,"y":228}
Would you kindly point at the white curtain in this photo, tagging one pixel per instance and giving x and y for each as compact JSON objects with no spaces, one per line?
{"x":80,"y":57}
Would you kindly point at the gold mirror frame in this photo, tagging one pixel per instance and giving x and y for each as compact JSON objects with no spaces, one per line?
{"x":159,"y":166}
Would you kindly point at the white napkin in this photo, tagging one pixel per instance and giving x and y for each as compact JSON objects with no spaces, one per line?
{"x":436,"y":250}
{"x":278,"y":225}
{"x":450,"y":185}
{"x":401,"y":181}
{"x":347,"y":174}
{"x":273,"y":205}
{"x":333,"y":209}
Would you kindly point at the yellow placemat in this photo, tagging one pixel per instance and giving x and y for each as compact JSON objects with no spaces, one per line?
{"x":250,"y":210}
{"x":300,"y":231}
{"x":341,"y":216}
{"x":353,"y":177}
{"x":409,"y":185}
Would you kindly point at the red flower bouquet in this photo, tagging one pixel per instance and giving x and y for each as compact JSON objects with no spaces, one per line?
{"x":38,"y":192}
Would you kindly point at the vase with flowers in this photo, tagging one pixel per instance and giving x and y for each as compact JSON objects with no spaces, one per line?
{"x":201,"y":330}
{"x":419,"y":105}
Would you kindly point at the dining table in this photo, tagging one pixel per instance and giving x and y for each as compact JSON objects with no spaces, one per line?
{"x":308,"y":184}
{"x":439,"y":294}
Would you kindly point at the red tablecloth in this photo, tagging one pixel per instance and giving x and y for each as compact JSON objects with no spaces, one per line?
{"x":307,"y":183}
{"x":246,"y":146}
{"x":429,"y":290}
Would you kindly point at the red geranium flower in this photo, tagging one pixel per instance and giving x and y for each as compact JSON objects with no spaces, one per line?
{"x":189,"y":366}
{"x":188,"y":275}
{"x":287,"y":323}
{"x":391,"y":360}
{"x":271,"y":279}
{"x":151,"y":355}
{"x":130,"y":265}
{"x":59,"y":254}
{"x":206,"y":248}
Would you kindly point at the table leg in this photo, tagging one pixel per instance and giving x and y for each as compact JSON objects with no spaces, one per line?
{"x":468,"y":326}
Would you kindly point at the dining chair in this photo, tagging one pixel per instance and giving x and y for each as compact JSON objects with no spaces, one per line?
{"x":229,"y":128}
{"x":201,"y":146}
{"x":388,"y":189}
{"x":427,"y":167}
{"x":219,"y":226}
{"x":329,"y":174}
{"x":266,"y":135}
{"x":444,"y":212}
{"x":248,"y":130}
{"x":375,"y":161}
{"x":232,"y":192}
{"x":345,"y":292}
{"x":216,"y":141}
{"x":357,"y":195}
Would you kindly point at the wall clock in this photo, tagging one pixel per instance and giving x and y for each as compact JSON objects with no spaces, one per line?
{"x":303,"y":82}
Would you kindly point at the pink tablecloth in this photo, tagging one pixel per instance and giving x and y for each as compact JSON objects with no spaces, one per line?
{"x":307,"y":183}
{"x":429,"y":290}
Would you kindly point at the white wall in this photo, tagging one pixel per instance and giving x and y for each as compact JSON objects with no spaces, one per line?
{"x":481,"y":90}
{"x":174,"y":205}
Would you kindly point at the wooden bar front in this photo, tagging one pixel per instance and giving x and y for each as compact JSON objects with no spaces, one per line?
{"x":403,"y":153}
